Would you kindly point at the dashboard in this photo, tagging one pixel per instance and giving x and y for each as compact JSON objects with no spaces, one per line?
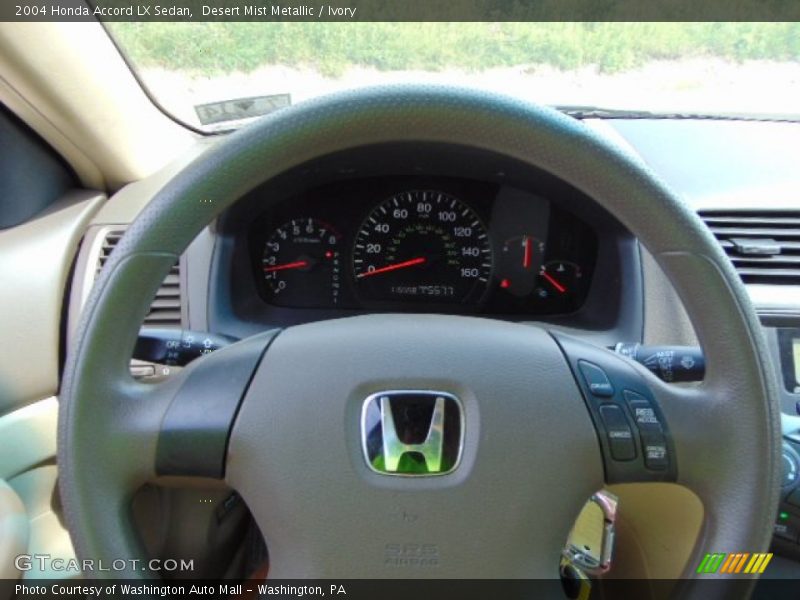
{"x":424,"y":244}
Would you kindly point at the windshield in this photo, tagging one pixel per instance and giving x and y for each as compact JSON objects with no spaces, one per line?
{"x":217,"y":75}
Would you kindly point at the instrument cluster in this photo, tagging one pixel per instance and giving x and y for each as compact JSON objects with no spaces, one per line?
{"x":427,"y":245}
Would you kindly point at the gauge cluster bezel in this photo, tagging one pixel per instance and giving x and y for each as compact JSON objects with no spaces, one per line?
{"x":237,"y":302}
{"x":426,"y":251}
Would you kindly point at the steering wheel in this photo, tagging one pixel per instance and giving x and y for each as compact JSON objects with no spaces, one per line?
{"x":283,"y":417}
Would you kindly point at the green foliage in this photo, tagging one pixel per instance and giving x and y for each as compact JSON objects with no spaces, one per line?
{"x":331,"y":48}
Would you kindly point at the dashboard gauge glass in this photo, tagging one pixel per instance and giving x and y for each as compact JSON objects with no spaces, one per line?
{"x":301,"y":264}
{"x":559,"y":278}
{"x":422,"y":246}
{"x":519,"y":263}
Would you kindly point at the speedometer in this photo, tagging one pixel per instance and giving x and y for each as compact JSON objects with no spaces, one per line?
{"x":425,"y":246}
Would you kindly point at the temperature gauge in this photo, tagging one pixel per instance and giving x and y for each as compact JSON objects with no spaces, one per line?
{"x":300,"y":264}
{"x":559,"y":278}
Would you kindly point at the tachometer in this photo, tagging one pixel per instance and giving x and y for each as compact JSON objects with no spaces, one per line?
{"x":301,"y":264}
{"x":423,"y":246}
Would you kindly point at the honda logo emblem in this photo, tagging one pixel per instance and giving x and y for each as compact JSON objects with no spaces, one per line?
{"x":412,"y":433}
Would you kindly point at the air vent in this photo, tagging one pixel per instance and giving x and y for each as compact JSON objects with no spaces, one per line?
{"x":764,"y":247}
{"x":165,"y":311}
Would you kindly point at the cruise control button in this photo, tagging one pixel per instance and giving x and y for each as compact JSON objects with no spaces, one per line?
{"x":596,"y":379}
{"x":619,"y":434}
{"x":654,"y":447}
{"x":643,"y":413}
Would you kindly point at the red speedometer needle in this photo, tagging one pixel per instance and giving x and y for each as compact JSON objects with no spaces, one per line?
{"x":561,"y":289}
{"x":394,"y":267}
{"x":292,"y":265}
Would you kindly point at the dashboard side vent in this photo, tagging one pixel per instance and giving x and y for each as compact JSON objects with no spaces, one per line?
{"x":763,"y":246}
{"x":165,"y":310}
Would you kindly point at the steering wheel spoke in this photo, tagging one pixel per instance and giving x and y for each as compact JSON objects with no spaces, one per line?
{"x":196,"y":425}
{"x":703,"y":422}
{"x":635,"y":440}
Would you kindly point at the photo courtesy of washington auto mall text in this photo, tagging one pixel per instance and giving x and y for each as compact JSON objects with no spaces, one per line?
{"x":177,"y":589}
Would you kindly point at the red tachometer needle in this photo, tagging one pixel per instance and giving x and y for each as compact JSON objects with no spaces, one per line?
{"x":292,"y":265}
{"x":528,"y":255}
{"x":394,"y":267}
{"x":561,"y":289}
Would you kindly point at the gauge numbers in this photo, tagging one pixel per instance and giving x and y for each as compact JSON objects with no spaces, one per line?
{"x":423,"y":246}
{"x":300,"y":264}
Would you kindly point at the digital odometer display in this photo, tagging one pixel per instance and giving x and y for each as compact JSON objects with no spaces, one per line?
{"x":423,"y":245}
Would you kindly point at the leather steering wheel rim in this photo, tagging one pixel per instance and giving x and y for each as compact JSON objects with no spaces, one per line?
{"x":734,"y":413}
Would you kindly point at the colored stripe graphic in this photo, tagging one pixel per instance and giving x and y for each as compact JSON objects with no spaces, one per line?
{"x":711,"y":563}
{"x":729,"y":562}
{"x":740,"y":564}
{"x":763,"y":565}
{"x":733,"y":563}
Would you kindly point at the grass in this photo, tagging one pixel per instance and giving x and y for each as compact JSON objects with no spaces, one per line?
{"x":331,"y":48}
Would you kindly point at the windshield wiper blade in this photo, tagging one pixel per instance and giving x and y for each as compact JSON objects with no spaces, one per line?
{"x":597,"y":112}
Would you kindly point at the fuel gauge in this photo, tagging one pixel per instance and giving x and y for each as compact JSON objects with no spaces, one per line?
{"x":519,"y":263}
